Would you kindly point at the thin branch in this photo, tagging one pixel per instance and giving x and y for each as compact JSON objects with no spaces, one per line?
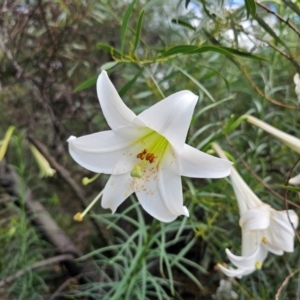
{"x":47,"y":25}
{"x":65,"y":175}
{"x":287,"y":56}
{"x":285,"y":198}
{"x":66,"y":283}
{"x":287,"y":22}
{"x":36,"y":212}
{"x":260,"y":92}
{"x":45,"y":225}
{"x":285,"y":282}
{"x":40,"y":264}
{"x":60,"y":170}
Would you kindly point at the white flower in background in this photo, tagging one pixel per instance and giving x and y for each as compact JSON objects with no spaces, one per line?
{"x":295,"y":180}
{"x":145,"y":154}
{"x":289,"y":140}
{"x":263,"y":228}
{"x":225,"y":291}
{"x":297,"y":87}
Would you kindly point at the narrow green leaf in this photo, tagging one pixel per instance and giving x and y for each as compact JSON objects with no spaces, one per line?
{"x":138,"y":31}
{"x":213,"y":105}
{"x":230,"y":52}
{"x":111,"y":50}
{"x":129,"y":84}
{"x":190,"y":49}
{"x":290,"y":188}
{"x":182,"y":49}
{"x":292,"y":6}
{"x":189,"y":274}
{"x":250,"y":8}
{"x":244,"y":54}
{"x":233,"y":123}
{"x":200,"y":86}
{"x":125,"y":23}
{"x":109,"y":65}
{"x":86,"y":84}
{"x":183,"y":23}
{"x":268,"y":29}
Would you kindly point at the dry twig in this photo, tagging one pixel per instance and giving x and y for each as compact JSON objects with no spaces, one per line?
{"x":39,"y":264}
{"x":280,"y":18}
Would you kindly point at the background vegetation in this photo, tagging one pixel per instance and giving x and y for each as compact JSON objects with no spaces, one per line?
{"x":239,"y":57}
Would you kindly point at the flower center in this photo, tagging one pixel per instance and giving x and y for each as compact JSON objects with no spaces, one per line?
{"x":153,"y":147}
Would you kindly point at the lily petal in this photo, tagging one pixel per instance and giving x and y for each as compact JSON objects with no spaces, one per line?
{"x":257,"y":218}
{"x":280,"y":234}
{"x":248,"y":262}
{"x":117,"y":189}
{"x":250,"y":240}
{"x":239,"y":273}
{"x":244,"y":195}
{"x":148,"y":193}
{"x":116,"y":113}
{"x":171,"y":117}
{"x":195,"y":163}
{"x":103,"y":152}
{"x":170,"y":183}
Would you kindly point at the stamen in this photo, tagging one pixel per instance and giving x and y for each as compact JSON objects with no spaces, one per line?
{"x":258,"y":265}
{"x":136,"y":172}
{"x":86,"y":180}
{"x":79,"y":216}
{"x":142,"y":155}
{"x":156,"y":147}
{"x":150,"y":157}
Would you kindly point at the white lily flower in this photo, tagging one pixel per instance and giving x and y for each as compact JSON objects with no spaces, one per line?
{"x":145,"y":154}
{"x":263,"y":228}
{"x":289,"y":140}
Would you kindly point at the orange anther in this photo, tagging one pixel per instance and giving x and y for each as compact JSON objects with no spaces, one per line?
{"x":142,"y":155}
{"x":150,"y":157}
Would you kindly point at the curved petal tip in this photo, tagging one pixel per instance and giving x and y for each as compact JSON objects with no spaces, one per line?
{"x":186,"y":212}
{"x":295,"y":180}
{"x":71,"y":138}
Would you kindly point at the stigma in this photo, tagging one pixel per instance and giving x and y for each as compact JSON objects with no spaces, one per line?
{"x":136,"y":172}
